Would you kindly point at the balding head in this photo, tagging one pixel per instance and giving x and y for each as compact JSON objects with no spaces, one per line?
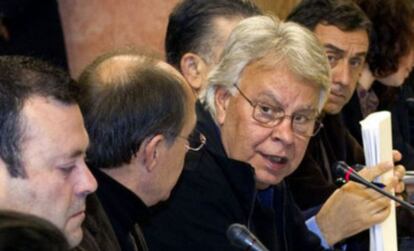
{"x":128,"y":97}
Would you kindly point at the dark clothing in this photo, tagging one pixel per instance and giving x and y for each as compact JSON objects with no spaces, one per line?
{"x":314,"y":180}
{"x":352,"y":115}
{"x":125,"y":211}
{"x":33,"y":29}
{"x":215,"y":192}
{"x":98,"y":234}
{"x":408,"y":87}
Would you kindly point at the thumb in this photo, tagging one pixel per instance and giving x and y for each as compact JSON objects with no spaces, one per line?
{"x":372,"y":172}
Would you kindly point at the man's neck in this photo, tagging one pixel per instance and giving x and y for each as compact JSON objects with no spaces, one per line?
{"x":367,"y":79}
{"x":125,"y":175}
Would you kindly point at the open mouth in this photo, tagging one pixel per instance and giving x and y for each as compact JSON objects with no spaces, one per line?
{"x":276,"y":159}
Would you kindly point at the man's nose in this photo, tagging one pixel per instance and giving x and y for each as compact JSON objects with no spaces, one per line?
{"x":87,"y":183}
{"x":341,"y":73}
{"x":284,"y":131}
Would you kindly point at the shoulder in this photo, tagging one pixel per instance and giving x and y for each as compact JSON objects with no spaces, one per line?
{"x":98,"y":232}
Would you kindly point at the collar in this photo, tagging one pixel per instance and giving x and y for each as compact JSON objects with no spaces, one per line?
{"x":207,"y":126}
{"x":122,"y":205}
{"x":240,"y":175}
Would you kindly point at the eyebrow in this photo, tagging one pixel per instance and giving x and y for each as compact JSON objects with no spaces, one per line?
{"x":361,"y":54}
{"x":76,"y":153}
{"x":342,"y":52}
{"x":63,"y":158}
{"x":268,"y":97}
{"x":277,"y":103}
{"x":334,"y":48}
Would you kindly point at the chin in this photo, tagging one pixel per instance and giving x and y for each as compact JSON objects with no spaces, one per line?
{"x":265,"y":182}
{"x":75,"y":238}
{"x":331,"y":109}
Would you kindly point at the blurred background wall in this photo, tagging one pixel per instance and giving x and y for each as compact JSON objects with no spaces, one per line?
{"x":91,"y":27}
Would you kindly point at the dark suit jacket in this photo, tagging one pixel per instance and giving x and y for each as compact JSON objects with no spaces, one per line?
{"x":215,"y":192}
{"x":98,"y":234}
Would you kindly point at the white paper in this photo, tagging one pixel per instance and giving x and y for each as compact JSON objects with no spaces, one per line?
{"x":377,"y":141}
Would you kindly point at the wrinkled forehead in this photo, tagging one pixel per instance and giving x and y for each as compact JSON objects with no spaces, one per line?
{"x":347,"y":42}
{"x":274,"y":82}
{"x":278,"y":65}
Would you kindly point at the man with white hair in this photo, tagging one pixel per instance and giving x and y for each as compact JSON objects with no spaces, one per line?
{"x":262,"y":101}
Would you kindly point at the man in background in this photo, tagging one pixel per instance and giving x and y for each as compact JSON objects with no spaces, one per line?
{"x":343,"y":29}
{"x":196,"y":33}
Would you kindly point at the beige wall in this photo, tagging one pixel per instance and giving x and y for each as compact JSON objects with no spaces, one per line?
{"x":92,"y":27}
{"x":280,"y":8}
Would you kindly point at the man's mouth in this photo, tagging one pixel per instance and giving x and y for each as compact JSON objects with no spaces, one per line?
{"x":79,"y":213}
{"x":337,"y":94}
{"x":335,"y":97}
{"x":276,"y":159}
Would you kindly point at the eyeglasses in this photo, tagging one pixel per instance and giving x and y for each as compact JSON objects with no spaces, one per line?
{"x":195,"y":141}
{"x":302,"y":124}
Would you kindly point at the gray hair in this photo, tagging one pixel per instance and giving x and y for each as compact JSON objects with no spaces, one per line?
{"x":256,"y":37}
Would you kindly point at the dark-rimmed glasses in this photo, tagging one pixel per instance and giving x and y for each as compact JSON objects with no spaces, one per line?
{"x":305,"y":125}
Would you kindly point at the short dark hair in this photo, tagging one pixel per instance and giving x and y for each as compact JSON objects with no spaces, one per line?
{"x":21,"y":232}
{"x":344,"y":14}
{"x":392,"y":33}
{"x":190,"y":25}
{"x":20,"y":79}
{"x":125,"y":107}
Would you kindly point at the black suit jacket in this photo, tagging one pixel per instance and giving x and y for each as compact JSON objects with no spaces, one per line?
{"x":215,"y":192}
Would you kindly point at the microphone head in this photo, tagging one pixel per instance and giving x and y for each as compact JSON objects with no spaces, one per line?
{"x":237,"y":234}
{"x":340,"y":168}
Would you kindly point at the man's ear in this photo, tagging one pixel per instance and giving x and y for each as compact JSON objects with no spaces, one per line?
{"x":5,"y":177}
{"x":194,"y":70}
{"x":150,"y":151}
{"x":221,"y":100}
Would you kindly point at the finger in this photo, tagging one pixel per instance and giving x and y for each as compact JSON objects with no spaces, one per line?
{"x":380,"y":215}
{"x":400,"y":187}
{"x":375,"y":171}
{"x":399,"y":171}
{"x":352,"y":186}
{"x":391,"y":182}
{"x":396,"y":155}
{"x":399,"y":196}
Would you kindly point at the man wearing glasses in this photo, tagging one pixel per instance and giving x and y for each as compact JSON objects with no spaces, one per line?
{"x":140,"y":116}
{"x":259,"y":110}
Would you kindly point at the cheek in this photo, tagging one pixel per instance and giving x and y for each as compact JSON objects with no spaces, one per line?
{"x":56,"y":198}
{"x":243,"y":141}
{"x":241,"y":134}
{"x":47,"y":201}
{"x":61,"y":200}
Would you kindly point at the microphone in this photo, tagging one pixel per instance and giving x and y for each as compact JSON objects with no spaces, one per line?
{"x":241,"y":237}
{"x":346,"y":173}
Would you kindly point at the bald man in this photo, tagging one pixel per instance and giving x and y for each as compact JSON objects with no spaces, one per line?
{"x":140,"y":115}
